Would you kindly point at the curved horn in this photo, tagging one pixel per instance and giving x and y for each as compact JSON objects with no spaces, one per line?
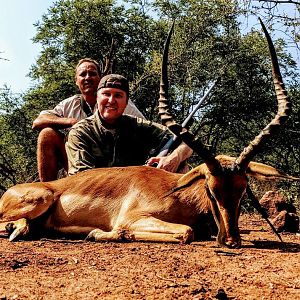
{"x":163,"y":107}
{"x":284,"y":109}
{"x":167,"y":118}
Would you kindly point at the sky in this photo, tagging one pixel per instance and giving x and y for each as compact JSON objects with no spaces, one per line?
{"x":16,"y":32}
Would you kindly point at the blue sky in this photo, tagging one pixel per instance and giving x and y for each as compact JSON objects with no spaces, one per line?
{"x":16,"y":31}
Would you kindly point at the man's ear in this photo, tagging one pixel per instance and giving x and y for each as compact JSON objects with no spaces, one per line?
{"x":76,"y":82}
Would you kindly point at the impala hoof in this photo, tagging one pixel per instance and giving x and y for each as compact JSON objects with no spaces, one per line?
{"x":10,"y":227}
{"x":185,"y":238}
{"x":92,"y":236}
{"x":233,"y":244}
{"x":17,"y":229}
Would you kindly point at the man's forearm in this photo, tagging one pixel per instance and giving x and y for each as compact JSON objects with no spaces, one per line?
{"x":44,"y":121}
{"x":183,"y":152}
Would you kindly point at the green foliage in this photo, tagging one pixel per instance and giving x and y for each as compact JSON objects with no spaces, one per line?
{"x":206,"y":43}
{"x":17,"y":141}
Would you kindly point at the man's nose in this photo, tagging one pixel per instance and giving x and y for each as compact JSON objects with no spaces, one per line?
{"x":112,"y":99}
{"x":87,"y":75}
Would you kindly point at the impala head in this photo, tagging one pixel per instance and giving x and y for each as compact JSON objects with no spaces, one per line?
{"x":225,"y":177}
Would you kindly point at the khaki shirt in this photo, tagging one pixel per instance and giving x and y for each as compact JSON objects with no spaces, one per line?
{"x":71,"y":108}
{"x":92,"y":144}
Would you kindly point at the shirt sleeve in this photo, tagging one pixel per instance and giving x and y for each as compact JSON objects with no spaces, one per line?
{"x":132,"y":110}
{"x":68,"y":108}
{"x":79,"y":156}
{"x":155,"y":136}
{"x":58,"y":110}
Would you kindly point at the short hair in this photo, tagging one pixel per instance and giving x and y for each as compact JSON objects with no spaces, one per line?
{"x":90,"y":60}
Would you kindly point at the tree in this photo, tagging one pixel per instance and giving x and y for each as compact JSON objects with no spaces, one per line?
{"x":17,"y":141}
{"x":244,"y":101}
{"x":282,"y":15}
{"x":204,"y":46}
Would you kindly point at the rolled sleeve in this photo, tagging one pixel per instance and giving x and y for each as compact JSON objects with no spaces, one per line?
{"x":58,"y":111}
{"x":68,"y":108}
{"x":132,"y":110}
{"x":79,"y":158}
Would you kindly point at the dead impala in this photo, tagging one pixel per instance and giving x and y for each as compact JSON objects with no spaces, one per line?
{"x":145,"y":203}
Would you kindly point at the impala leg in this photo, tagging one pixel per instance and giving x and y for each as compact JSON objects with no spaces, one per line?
{"x":161,"y":237}
{"x":26,"y":201}
{"x":148,"y":230}
{"x":118,"y":235}
{"x":73,"y":230}
{"x":17,"y":229}
{"x":154,"y":230}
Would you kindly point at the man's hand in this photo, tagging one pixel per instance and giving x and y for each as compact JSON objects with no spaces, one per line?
{"x":172,"y":161}
{"x":169,"y":163}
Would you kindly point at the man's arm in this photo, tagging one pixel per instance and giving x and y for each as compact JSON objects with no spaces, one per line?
{"x":64,"y":115}
{"x":172,"y":161}
{"x":53,"y":121}
{"x":79,"y":153}
{"x":158,"y":135}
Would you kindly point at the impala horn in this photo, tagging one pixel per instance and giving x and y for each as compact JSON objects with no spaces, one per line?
{"x":167,"y":118}
{"x":284,"y":109}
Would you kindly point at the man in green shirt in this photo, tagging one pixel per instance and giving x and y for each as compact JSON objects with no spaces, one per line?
{"x":109,"y":138}
{"x":54,"y":124}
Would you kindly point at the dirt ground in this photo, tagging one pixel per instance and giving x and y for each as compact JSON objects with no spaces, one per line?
{"x":56,"y":269}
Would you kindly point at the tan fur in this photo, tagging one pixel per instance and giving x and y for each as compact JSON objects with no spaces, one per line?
{"x":135,"y":203}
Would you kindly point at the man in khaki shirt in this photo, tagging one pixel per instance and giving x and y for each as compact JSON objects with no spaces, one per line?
{"x":109,"y":138}
{"x":54,"y":124}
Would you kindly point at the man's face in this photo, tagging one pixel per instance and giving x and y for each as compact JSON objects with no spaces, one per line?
{"x":111,"y":103}
{"x":87,"y":78}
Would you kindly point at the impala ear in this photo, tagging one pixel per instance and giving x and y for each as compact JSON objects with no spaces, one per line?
{"x":265,"y":172}
{"x":190,"y":177}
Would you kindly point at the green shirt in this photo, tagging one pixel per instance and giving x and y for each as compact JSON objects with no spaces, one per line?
{"x":93,"y":144}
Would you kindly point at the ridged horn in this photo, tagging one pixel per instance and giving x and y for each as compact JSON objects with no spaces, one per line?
{"x":167,"y":118}
{"x":284,"y":109}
